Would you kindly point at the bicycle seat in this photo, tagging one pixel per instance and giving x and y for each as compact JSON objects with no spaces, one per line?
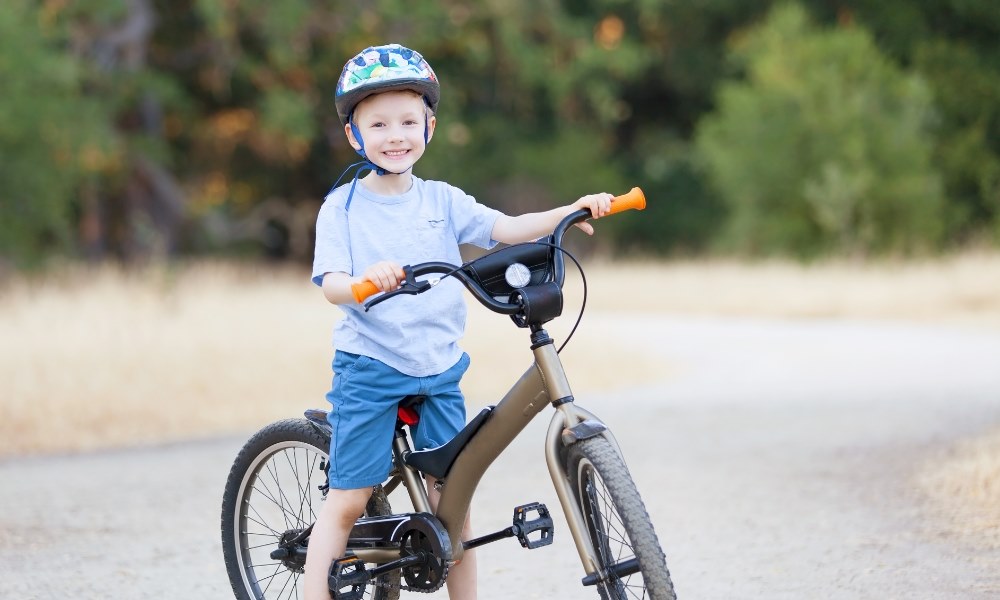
{"x":406,"y":413}
{"x":438,"y":461}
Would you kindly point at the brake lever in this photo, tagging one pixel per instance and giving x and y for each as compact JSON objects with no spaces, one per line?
{"x":410,"y":286}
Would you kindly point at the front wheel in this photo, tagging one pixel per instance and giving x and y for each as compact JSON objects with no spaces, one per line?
{"x":631,"y":562}
{"x":273,"y":493}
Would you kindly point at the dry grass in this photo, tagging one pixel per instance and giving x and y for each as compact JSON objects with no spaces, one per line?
{"x":964,"y":488}
{"x":98,"y":358}
{"x":959,"y":290}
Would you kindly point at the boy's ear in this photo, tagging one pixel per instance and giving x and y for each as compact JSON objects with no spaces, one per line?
{"x":350,"y":137}
{"x":431,"y":124}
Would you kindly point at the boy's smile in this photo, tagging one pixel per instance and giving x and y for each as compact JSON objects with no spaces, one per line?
{"x":392,"y":127}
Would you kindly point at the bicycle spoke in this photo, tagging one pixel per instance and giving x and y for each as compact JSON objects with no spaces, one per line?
{"x":293,"y":465}
{"x":279,"y":495}
{"x":274,"y":532}
{"x":303,"y":489}
{"x":268,"y":544}
{"x":285,"y":586}
{"x":621,"y":535}
{"x":272,"y":470}
{"x":269,"y":579}
{"x":608,"y":515}
{"x":267,"y":493}
{"x":287,"y":512}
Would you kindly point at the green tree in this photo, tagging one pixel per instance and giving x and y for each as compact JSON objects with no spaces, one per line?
{"x":955,"y":46}
{"x":52,"y":139}
{"x":823,"y":147}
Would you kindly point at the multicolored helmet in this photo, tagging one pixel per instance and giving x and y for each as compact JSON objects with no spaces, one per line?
{"x":381,"y":69}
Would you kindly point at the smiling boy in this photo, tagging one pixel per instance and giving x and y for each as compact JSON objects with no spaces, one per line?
{"x":366,"y":231}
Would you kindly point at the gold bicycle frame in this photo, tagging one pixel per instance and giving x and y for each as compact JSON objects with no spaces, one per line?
{"x":541,"y":384}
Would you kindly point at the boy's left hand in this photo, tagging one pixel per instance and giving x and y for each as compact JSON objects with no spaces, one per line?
{"x":599,"y":206}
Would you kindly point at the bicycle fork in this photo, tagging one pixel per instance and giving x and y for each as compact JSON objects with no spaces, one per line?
{"x":569,"y":425}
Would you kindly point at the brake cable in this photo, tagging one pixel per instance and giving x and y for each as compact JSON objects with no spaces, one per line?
{"x":583,"y":280}
{"x":417,"y":287}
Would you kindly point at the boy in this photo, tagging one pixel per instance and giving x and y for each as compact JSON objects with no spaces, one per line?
{"x":386,"y":98}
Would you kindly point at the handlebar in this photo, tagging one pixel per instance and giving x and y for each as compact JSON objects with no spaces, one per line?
{"x":362,"y":290}
{"x":633,"y":199}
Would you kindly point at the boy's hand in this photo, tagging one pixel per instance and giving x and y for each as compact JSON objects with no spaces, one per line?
{"x":385,"y":275}
{"x":599,"y":206}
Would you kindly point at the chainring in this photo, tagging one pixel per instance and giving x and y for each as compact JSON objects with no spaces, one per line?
{"x":429,"y":575}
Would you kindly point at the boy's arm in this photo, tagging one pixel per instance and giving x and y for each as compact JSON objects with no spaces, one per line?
{"x":531,"y":226}
{"x":385,"y":275}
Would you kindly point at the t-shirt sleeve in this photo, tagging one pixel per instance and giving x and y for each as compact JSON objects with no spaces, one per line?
{"x":472,"y":221}
{"x":333,"y":241}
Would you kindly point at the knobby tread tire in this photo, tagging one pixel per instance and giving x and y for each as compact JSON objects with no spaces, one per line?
{"x":598,"y":455}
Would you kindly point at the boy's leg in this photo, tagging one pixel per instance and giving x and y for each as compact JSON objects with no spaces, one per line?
{"x":363,"y":402}
{"x":328,"y":540}
{"x":442,"y":415}
{"x":462,"y":578}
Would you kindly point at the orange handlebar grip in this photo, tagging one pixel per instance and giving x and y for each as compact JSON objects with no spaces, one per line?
{"x":633,"y":199}
{"x":363,"y":290}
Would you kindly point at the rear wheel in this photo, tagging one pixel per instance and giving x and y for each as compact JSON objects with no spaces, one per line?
{"x":631,"y":562}
{"x":274,"y":490}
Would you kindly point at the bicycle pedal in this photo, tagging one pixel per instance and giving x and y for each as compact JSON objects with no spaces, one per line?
{"x":523,"y":526}
{"x":349,"y":573}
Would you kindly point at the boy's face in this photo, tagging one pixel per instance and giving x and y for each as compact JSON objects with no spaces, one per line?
{"x":392,"y":126}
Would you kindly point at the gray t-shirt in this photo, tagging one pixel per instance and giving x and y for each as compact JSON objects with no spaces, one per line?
{"x":416,"y":335}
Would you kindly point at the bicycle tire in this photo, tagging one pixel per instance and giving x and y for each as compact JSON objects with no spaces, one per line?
{"x":617,"y":522}
{"x":273,"y":486}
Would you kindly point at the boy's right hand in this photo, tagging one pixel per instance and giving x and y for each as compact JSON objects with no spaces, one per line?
{"x":386,"y":275}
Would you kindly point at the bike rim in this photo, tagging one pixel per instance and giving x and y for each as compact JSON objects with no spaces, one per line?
{"x":280,"y":491}
{"x":608,"y":534}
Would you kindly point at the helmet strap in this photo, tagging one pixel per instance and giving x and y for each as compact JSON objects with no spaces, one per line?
{"x":367,"y":164}
{"x":361,"y":142}
{"x":364,"y":165}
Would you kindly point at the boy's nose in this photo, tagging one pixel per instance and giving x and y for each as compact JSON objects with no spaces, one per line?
{"x":395,"y":134}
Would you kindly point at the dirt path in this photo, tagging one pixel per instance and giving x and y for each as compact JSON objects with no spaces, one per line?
{"x":778,"y":460}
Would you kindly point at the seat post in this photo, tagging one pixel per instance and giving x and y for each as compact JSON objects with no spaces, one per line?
{"x":411,"y":477}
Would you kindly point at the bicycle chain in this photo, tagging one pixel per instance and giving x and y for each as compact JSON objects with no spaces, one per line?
{"x":388,"y":586}
{"x":440,"y":582}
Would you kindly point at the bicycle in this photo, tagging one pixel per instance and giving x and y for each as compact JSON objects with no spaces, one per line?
{"x":279,"y":476}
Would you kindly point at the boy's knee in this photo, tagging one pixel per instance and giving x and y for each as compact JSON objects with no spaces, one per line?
{"x":345,"y":506}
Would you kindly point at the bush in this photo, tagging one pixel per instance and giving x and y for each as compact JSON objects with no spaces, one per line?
{"x":823,"y":147}
{"x":48,"y":144}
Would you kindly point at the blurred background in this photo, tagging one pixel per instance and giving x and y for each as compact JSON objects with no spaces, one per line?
{"x":138,"y":130}
{"x":162,"y":163}
{"x":823,"y":180}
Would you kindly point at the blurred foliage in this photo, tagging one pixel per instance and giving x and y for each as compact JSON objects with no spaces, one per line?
{"x":140,"y":128}
{"x":823,"y":146}
{"x":53,"y":139}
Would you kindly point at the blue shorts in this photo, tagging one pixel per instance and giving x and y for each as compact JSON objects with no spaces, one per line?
{"x":364,"y":398}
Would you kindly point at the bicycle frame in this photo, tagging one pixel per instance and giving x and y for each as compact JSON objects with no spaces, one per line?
{"x":592,"y":483}
{"x":543,"y":383}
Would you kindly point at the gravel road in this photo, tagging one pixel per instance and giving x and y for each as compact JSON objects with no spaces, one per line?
{"x":777,"y":459}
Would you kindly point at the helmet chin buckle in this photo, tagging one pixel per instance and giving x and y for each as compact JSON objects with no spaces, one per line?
{"x":361,"y":142}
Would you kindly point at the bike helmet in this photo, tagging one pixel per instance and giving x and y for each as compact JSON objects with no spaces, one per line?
{"x":381,"y":69}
